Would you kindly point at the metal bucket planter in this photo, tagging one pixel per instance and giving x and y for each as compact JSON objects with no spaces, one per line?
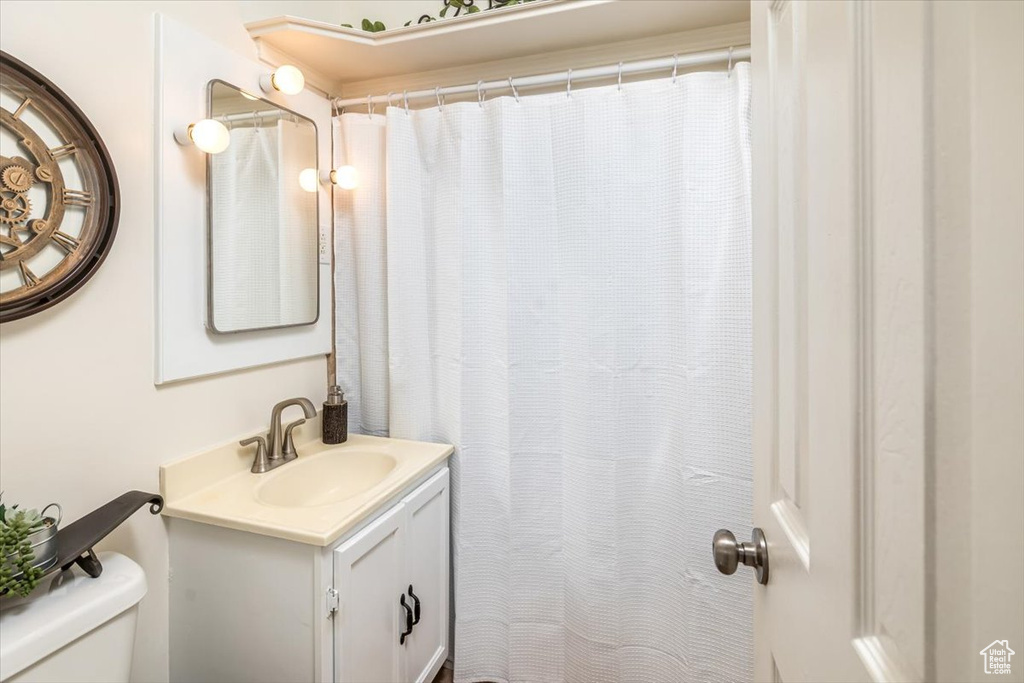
{"x":43,"y":542}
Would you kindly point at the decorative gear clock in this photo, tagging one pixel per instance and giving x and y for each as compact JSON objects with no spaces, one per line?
{"x":59,"y":200}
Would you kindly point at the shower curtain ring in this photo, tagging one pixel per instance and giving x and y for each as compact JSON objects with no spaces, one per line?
{"x":480,"y":93}
{"x":675,"y":66}
{"x":515,"y":93}
{"x":255,"y":122}
{"x":440,"y":100}
{"x":568,"y":84}
{"x":405,"y":101}
{"x":389,"y":98}
{"x":729,"y":72}
{"x":620,"y":76}
{"x":369,"y":106}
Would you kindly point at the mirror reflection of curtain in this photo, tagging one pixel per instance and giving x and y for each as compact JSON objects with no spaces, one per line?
{"x":264,"y":248}
{"x":245,"y":200}
{"x":297,"y":243}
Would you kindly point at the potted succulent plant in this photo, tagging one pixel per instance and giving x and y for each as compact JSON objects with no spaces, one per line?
{"x":28,"y":547}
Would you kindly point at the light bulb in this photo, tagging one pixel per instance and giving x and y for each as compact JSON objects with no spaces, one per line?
{"x":209,"y":135}
{"x":345,"y":177}
{"x":286,"y":78}
{"x":308,"y":179}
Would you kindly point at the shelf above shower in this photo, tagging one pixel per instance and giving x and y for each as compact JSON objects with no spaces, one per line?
{"x":332,"y":55}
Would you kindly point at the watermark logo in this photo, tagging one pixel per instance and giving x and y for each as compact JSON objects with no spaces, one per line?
{"x":997,"y":657}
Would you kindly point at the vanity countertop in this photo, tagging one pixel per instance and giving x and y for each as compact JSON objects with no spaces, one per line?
{"x":314,"y":499}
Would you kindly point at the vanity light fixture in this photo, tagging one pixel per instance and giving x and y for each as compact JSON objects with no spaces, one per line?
{"x":307,"y":179}
{"x":286,"y":79}
{"x":345,"y":177}
{"x":209,"y":135}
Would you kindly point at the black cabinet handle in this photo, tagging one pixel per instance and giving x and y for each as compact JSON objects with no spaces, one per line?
{"x":408,"y":621}
{"x":416,"y":606}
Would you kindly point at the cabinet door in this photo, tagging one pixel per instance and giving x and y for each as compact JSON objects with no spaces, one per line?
{"x":369,"y":576}
{"x":426,"y":540}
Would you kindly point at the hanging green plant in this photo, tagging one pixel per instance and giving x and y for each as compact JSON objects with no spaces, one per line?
{"x":469,"y":6}
{"x":370,"y":26}
{"x":460,"y":5}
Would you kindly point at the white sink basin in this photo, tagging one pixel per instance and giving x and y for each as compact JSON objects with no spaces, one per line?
{"x":315,"y":499}
{"x":325,"y":478}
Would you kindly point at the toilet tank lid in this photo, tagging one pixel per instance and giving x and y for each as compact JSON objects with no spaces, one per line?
{"x":64,"y":607}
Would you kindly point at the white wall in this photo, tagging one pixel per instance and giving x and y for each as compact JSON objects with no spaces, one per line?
{"x":997,"y":325}
{"x":80,"y":418}
{"x":320,"y":10}
{"x":978,"y":104}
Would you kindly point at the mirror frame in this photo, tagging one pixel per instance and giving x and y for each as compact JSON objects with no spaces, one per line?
{"x":209,"y":215}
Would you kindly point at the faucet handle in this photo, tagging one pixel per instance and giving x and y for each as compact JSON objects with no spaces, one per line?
{"x":289,"y":445}
{"x":260,"y":464}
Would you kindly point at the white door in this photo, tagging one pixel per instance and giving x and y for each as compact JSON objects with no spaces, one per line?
{"x":426,"y":540}
{"x":807,"y":351}
{"x":869,"y":138}
{"x":369,"y":572}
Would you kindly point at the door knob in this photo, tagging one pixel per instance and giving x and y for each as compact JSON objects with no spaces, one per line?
{"x":729,"y":554}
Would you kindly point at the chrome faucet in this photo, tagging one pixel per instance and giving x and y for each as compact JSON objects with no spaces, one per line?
{"x":282,"y":447}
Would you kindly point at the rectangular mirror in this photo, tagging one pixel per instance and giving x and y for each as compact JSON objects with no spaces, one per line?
{"x":263,"y":269}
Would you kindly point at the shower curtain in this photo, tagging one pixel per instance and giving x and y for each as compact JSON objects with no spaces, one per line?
{"x":560,"y":286}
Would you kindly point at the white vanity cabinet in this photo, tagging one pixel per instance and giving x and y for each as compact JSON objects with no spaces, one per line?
{"x":392,"y":582}
{"x":251,"y":607}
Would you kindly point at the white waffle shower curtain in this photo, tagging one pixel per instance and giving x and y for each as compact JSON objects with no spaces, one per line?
{"x":561,"y":287}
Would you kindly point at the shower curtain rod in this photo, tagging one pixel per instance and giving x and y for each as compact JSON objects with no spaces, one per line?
{"x":670,"y":64}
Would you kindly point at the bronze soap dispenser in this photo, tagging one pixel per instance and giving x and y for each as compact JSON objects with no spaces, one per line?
{"x":335,"y":417}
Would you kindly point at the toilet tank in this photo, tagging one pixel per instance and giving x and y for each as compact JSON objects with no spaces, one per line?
{"x":72,"y":627}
